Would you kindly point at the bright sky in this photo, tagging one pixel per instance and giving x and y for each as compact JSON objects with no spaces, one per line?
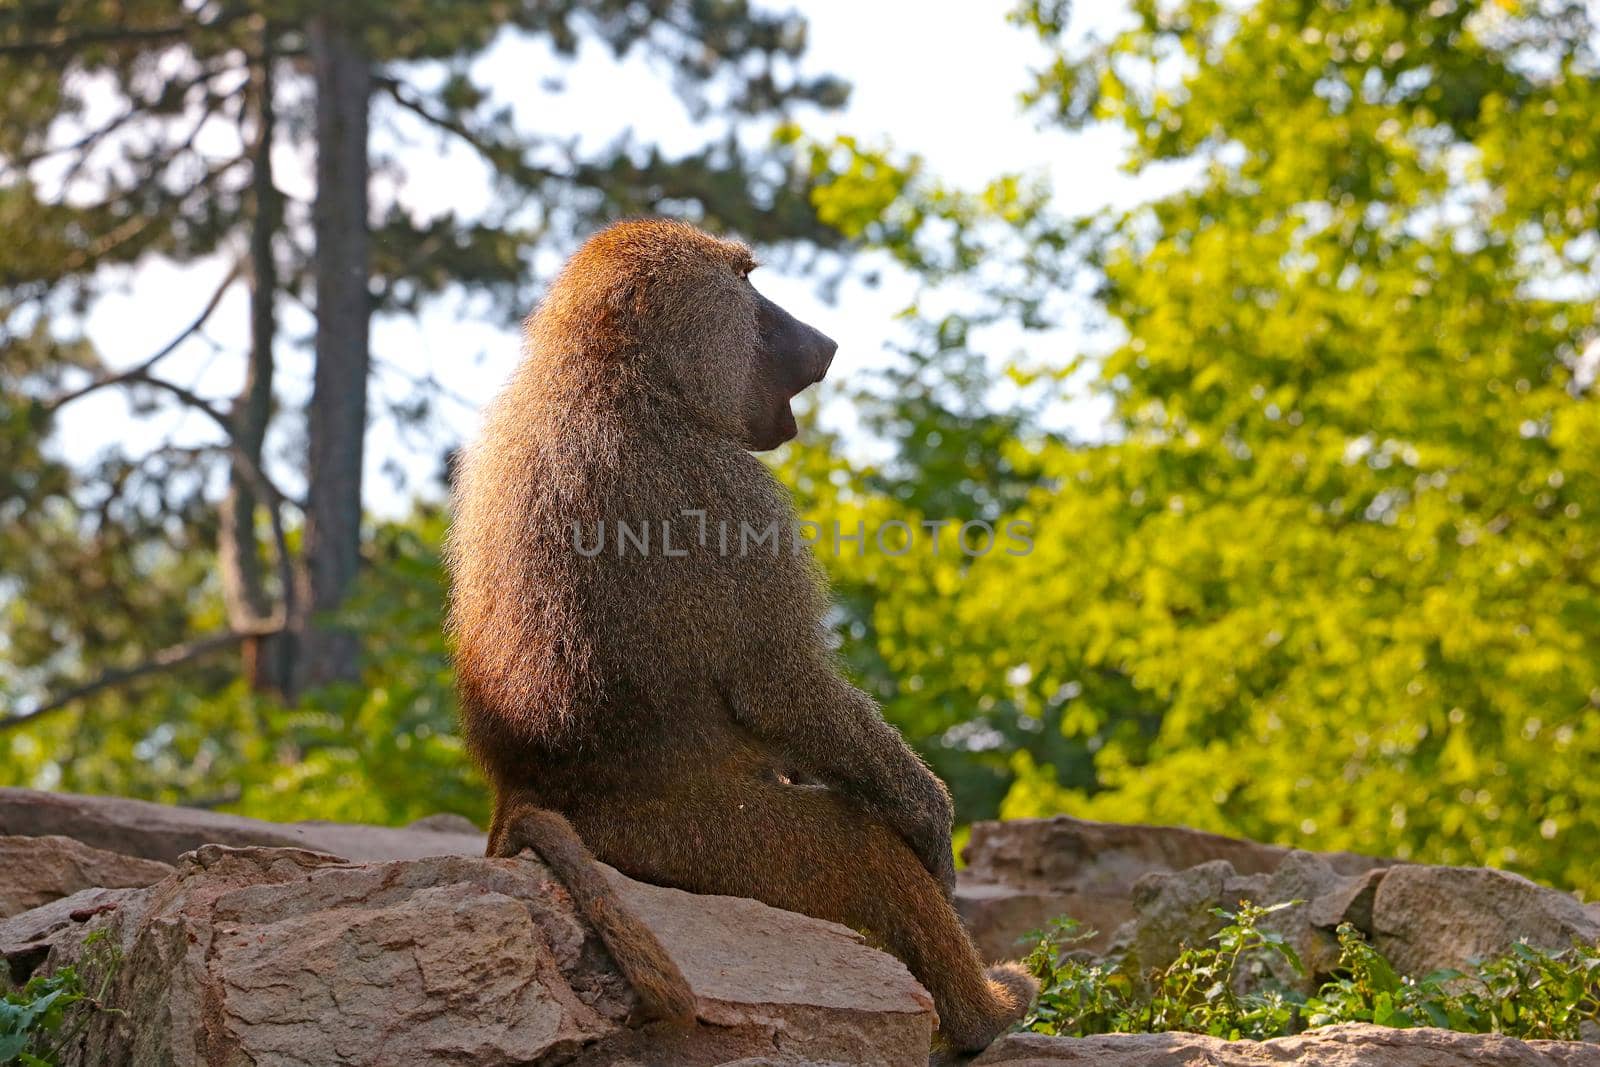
{"x":936,"y":78}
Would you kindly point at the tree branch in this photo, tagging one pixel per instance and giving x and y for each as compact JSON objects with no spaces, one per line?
{"x":133,"y":227}
{"x":165,"y":660}
{"x":258,"y":481}
{"x":264,"y":489}
{"x":397,"y":92}
{"x":116,"y":35}
{"x":140,"y":108}
{"x":141,"y":369}
{"x":505,"y":157}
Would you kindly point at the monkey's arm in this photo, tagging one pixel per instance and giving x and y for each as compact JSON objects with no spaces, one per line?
{"x":834,"y":732}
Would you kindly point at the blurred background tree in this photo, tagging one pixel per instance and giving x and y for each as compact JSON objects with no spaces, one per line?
{"x":1331,"y":575}
{"x":1349,"y":567}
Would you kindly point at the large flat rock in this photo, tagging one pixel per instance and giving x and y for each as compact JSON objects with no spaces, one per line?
{"x":163,"y":832}
{"x":1347,"y":1045}
{"x":278,"y":956}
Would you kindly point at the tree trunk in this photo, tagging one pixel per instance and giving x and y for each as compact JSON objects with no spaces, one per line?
{"x":249,"y":607}
{"x":338,"y":413}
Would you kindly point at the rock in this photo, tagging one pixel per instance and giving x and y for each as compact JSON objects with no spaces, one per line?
{"x":1000,"y":916}
{"x":444,"y":823}
{"x":285,"y":956}
{"x":37,"y":870}
{"x":1104,"y":857}
{"x":1343,"y":900}
{"x":162,"y":832}
{"x":1327,"y":899}
{"x":753,"y":962}
{"x":1426,"y":918}
{"x":25,"y":939}
{"x":1176,"y":909}
{"x":1173,"y":910}
{"x":1023,"y":873}
{"x":1346,"y":1045}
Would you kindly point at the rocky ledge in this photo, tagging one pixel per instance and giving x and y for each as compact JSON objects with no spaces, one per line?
{"x":318,"y":943}
{"x":1346,"y":1045}
{"x":270,"y":954}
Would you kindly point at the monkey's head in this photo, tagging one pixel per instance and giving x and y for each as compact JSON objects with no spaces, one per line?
{"x":665,"y":304}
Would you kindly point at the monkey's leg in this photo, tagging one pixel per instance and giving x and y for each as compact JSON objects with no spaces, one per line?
{"x":806,"y":849}
{"x":520,"y":824}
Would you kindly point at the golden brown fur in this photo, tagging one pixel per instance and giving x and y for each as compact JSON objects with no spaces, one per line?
{"x":666,"y":704}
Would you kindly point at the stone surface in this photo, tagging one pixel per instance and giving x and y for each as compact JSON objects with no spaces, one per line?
{"x":25,"y":939}
{"x":36,"y":870}
{"x":1023,"y":873}
{"x":1425,"y":918}
{"x":444,"y":823}
{"x":162,"y":832}
{"x":285,"y":956}
{"x":1175,"y":909}
{"x":340,"y":944}
{"x":1311,"y":927}
{"x":1347,"y":1045}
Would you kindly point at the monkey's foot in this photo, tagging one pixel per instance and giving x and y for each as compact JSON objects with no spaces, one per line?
{"x":1011,"y":992}
{"x":1018,"y":985}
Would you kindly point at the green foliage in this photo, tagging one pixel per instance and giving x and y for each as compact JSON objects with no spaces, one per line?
{"x":1198,"y":992}
{"x":1351,"y":510}
{"x":384,"y":751}
{"x":1329,"y":579}
{"x":1078,"y":995}
{"x":1525,"y":993}
{"x":42,"y":1019}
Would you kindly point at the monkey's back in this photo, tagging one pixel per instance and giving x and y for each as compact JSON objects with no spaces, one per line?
{"x":586,"y":654}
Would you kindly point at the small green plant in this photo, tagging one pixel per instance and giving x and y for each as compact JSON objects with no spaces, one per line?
{"x":1198,"y":991}
{"x":1526,"y":993}
{"x":1077,"y":996}
{"x":42,"y":1019}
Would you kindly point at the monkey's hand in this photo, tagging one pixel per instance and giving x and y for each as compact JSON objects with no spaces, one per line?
{"x":924,"y":820}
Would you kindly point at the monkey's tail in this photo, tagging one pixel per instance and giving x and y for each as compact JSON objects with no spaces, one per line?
{"x":663,"y":991}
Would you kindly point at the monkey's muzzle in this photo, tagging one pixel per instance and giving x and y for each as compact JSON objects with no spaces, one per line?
{"x":803,"y":353}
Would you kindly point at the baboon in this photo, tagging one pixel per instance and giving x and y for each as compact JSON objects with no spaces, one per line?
{"x":667,"y":702}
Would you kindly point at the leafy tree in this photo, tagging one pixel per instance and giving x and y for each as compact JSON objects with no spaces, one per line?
{"x":1331,"y":578}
